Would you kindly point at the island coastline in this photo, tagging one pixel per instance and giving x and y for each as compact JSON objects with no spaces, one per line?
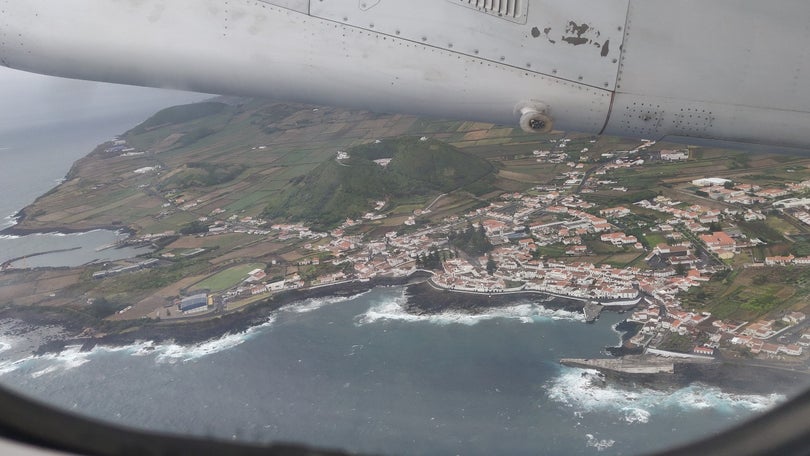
{"x":422,"y":299}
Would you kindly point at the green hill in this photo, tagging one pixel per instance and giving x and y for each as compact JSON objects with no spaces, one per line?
{"x":336,"y":189}
{"x":198,"y":174}
{"x":179,"y":114}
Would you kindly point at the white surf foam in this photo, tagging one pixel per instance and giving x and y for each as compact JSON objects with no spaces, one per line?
{"x":143,"y":348}
{"x":393,"y":310}
{"x":47,"y":370}
{"x":599,"y":444}
{"x":11,"y":365}
{"x":69,"y":358}
{"x":313,"y":304}
{"x":172,"y":353}
{"x":635,"y":415}
{"x":6,"y":344}
{"x":72,"y":356}
{"x":620,"y":334}
{"x":584,"y":391}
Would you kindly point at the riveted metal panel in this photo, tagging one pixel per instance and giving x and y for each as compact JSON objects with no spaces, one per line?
{"x":658,"y":117}
{"x":576,"y":41}
{"x":747,"y":53}
{"x":253,"y":48}
{"x":648,"y":117}
{"x":296,"y":5}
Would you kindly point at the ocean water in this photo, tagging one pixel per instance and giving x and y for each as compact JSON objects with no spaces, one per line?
{"x":361,"y":374}
{"x":356,"y":373}
{"x":34,"y":159}
{"x":66,"y":249}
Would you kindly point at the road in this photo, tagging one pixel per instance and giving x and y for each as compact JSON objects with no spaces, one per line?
{"x":427,"y":208}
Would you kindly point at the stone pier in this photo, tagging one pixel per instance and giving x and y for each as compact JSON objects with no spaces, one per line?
{"x":592,"y":311}
{"x":625,"y":365}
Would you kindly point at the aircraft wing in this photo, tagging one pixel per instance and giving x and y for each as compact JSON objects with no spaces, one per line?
{"x":733,"y":70}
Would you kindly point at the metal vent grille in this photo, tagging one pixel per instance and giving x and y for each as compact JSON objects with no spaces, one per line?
{"x":513,"y":10}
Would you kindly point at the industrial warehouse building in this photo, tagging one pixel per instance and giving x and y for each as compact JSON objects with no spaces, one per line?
{"x":194,"y":303}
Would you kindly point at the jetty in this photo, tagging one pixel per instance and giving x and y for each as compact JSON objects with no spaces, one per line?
{"x":7,"y":264}
{"x":660,"y":362}
{"x":592,"y":311}
{"x":624,"y":365}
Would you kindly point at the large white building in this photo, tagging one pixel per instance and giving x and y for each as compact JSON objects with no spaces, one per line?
{"x":710,"y":181}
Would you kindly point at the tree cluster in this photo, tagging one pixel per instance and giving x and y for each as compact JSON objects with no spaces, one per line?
{"x":801,"y":248}
{"x":471,"y":240}
{"x":195,"y":227}
{"x":102,"y":307}
{"x":433,"y":260}
{"x":491,"y":266}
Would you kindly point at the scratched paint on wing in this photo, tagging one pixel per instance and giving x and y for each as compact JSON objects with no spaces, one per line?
{"x":575,"y":40}
{"x":547,"y":31}
{"x":578,"y":30}
{"x":576,"y":34}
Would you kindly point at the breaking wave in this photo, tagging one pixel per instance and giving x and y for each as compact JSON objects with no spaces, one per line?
{"x":584,"y":391}
{"x":618,"y":333}
{"x":313,"y":304}
{"x":599,"y":444}
{"x":394,"y":310}
{"x":173,"y":353}
{"x":36,"y":366}
{"x":164,"y":353}
{"x":8,"y":221}
{"x":73,"y":356}
{"x":5,"y":345}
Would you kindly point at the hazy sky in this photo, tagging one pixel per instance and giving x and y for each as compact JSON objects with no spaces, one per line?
{"x":28,"y":99}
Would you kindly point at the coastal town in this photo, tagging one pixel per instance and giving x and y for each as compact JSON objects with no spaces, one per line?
{"x":542,"y":240}
{"x":589,"y":229}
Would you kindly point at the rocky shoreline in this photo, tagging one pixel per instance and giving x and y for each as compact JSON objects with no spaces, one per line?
{"x":422,"y":299}
{"x":628,"y":329}
{"x":75,"y":326}
{"x":426,"y":299}
{"x":21,"y":228}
